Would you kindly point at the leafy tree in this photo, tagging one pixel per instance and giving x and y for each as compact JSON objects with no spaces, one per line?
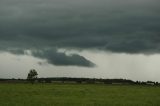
{"x":32,"y":75}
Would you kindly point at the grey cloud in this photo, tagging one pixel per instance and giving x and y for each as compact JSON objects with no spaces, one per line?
{"x":56,"y":58}
{"x":113,"y":25}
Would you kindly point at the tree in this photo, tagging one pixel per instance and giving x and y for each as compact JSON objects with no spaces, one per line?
{"x":32,"y":75}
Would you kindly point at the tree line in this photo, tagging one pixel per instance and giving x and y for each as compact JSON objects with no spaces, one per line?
{"x":32,"y":77}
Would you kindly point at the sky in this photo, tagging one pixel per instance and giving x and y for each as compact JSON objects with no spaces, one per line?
{"x":80,"y":38}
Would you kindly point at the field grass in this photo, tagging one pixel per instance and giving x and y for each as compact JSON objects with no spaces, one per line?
{"x":78,"y":95}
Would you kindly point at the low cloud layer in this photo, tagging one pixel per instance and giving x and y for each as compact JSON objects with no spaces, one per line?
{"x":111,"y":25}
{"x":53,"y":57}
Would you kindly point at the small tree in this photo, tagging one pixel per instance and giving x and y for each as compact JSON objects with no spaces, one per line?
{"x":32,"y":75}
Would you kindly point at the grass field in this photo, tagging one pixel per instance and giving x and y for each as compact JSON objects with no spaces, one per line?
{"x":78,"y":95}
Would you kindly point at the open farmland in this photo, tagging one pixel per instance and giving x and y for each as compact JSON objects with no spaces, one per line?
{"x":78,"y":95}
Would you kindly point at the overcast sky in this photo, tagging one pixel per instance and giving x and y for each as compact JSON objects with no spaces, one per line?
{"x":80,"y":38}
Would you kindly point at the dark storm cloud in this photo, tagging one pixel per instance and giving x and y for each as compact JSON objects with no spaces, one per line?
{"x":53,"y":57}
{"x":114,"y":25}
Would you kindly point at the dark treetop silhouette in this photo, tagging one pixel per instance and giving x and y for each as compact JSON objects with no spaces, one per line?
{"x":32,"y":75}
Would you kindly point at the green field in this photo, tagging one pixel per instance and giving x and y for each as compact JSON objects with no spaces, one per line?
{"x":78,"y":95}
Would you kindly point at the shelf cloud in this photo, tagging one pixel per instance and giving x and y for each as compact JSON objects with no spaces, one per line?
{"x":121,"y":26}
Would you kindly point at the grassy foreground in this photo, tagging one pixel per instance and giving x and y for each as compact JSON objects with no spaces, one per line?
{"x":78,"y":95}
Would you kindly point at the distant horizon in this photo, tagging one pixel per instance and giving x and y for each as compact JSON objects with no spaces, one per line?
{"x":81,"y":78}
